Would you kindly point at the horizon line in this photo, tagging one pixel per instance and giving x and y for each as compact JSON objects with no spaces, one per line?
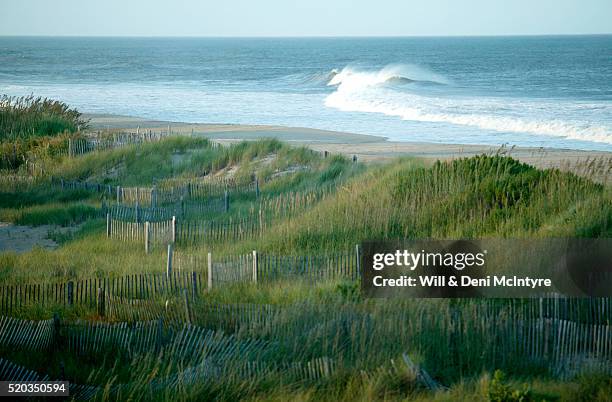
{"x":304,"y":36}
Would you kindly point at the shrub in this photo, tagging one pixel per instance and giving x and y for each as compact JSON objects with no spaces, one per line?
{"x":500,"y":391}
{"x":29,"y":116}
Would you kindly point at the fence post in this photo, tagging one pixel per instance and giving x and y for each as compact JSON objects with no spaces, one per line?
{"x":255,"y":266}
{"x":194,"y":283}
{"x":169,"y":261}
{"x":210,"y":272}
{"x":358,"y":252}
{"x":226,"y":201}
{"x":256,"y":187}
{"x":70,"y":289}
{"x":136,"y":211}
{"x":101,"y":302}
{"x":173,"y":229}
{"x":154,"y":196}
{"x":118,"y":194}
{"x":147,"y":237}
{"x":108,"y":224}
{"x":354,"y":158}
{"x":70,"y":147}
{"x":62,"y":181}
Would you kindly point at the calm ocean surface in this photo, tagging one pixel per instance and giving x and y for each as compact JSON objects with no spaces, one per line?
{"x":536,"y":91}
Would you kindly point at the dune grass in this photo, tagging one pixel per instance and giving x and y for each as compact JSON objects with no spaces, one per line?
{"x":29,"y":116}
{"x":362,"y":337}
{"x":481,"y":197}
{"x":34,"y":128}
{"x":484,"y":196}
{"x":51,"y":214}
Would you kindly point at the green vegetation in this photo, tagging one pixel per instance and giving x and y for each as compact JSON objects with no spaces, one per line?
{"x":461,"y":344}
{"x":487,"y":196}
{"x":28,"y":116}
{"x":34,"y":129}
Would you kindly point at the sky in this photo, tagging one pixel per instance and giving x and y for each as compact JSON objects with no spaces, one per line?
{"x":304,"y":18}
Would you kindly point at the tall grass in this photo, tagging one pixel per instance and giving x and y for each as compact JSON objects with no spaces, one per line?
{"x":485,"y":196}
{"x":29,"y":116}
{"x":34,"y":128}
{"x":458,"y":343}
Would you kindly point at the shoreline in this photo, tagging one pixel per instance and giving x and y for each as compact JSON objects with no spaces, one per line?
{"x":369,"y":148}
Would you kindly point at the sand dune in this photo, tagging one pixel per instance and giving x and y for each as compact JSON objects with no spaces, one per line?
{"x":366,"y":147}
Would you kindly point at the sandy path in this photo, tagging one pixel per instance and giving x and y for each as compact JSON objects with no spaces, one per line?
{"x":23,"y":238}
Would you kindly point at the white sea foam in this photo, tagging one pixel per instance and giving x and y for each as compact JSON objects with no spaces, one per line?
{"x":365,"y":91}
{"x":354,"y":79}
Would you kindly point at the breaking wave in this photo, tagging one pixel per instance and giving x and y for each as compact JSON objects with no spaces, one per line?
{"x":392,"y":74}
{"x":370,"y":92}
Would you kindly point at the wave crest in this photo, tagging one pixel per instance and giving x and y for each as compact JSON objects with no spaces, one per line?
{"x":391,"y":74}
{"x":365,"y":91}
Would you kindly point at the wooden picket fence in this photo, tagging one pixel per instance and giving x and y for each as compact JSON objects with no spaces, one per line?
{"x":197,"y":189}
{"x":147,"y":233}
{"x":158,"y":195}
{"x":33,"y":335}
{"x":181,"y":190}
{"x":100,"y":141}
{"x":10,"y":371}
{"x":287,"y":205}
{"x":203,"y":354}
{"x":266,"y":209}
{"x":565,"y":347}
{"x":67,"y":185}
{"x":11,"y":182}
{"x":185,"y":232}
{"x":198,"y":232}
{"x":257,"y":267}
{"x":96,"y":293}
{"x":183,"y":272}
{"x":182,"y":210}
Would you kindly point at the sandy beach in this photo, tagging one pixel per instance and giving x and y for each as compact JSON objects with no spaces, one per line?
{"x":367,"y":147}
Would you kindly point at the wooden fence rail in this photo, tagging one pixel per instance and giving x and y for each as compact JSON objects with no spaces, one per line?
{"x":181,"y":209}
{"x":205,"y":354}
{"x":147,"y":233}
{"x":35,"y":335}
{"x":565,"y":347}
{"x":194,"y":273}
{"x":102,"y":142}
{"x":184,"y":232}
{"x":96,"y":292}
{"x":153,"y":196}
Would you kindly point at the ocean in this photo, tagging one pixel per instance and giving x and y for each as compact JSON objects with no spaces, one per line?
{"x":549,"y":91}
